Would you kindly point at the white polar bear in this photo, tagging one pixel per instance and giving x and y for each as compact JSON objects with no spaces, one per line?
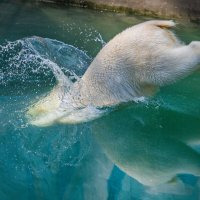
{"x":133,"y":64}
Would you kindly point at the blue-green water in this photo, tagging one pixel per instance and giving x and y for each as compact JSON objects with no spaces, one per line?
{"x":159,"y":135}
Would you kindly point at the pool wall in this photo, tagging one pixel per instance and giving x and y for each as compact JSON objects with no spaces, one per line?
{"x":189,"y":9}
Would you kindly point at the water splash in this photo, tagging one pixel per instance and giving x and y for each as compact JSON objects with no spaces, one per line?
{"x":85,"y":35}
{"x":30,"y":59}
{"x":29,"y":68}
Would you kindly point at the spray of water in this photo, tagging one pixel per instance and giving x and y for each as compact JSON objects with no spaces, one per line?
{"x":29,"y":68}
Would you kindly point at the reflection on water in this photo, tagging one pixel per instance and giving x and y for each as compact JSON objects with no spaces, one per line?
{"x":154,"y":143}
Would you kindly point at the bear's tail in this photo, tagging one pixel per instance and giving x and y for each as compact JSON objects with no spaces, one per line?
{"x":162,"y":23}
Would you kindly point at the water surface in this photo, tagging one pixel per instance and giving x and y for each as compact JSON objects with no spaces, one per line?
{"x":72,"y":161}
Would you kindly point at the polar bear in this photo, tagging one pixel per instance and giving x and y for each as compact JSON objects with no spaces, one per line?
{"x":135,"y":63}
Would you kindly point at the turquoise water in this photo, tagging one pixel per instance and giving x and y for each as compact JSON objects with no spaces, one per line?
{"x":157,"y":136}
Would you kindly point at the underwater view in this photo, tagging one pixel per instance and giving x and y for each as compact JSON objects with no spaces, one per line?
{"x":148,"y":149}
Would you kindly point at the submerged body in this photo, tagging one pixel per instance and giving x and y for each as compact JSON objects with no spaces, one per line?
{"x":153,"y":157}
